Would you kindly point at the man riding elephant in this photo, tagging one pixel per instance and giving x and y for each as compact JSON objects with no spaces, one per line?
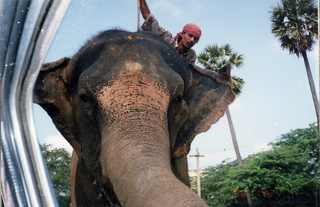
{"x":182,"y":42}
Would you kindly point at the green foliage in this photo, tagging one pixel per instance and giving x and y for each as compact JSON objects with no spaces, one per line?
{"x":193,"y":183}
{"x":213,"y":190}
{"x":286,"y":175}
{"x":216,"y":57}
{"x":295,"y":23}
{"x":58,"y":164}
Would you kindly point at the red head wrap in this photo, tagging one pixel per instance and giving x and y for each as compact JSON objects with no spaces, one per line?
{"x":190,"y":28}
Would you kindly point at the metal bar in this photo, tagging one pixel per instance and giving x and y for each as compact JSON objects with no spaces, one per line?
{"x":26,"y":34}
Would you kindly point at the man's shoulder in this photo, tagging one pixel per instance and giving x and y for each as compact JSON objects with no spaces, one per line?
{"x":191,"y":51}
{"x":191,"y":56}
{"x":152,"y":24}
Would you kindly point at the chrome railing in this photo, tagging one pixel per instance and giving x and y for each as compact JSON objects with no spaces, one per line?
{"x":27,"y":28}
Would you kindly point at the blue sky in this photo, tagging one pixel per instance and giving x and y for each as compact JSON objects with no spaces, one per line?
{"x":275,"y":99}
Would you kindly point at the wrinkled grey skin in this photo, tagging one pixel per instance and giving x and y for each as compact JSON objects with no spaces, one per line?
{"x":130,"y":107}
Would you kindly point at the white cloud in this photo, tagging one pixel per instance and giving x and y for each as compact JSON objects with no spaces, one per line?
{"x":59,"y":142}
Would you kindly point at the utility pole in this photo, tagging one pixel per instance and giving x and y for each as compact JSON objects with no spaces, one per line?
{"x":198,"y":171}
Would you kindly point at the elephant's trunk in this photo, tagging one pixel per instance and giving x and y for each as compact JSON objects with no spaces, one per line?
{"x":135,"y":153}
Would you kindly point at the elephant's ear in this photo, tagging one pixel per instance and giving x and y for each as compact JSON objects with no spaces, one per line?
{"x":207,"y":97}
{"x":52,"y":93}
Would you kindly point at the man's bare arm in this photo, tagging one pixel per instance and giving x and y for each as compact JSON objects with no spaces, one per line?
{"x":145,"y":11}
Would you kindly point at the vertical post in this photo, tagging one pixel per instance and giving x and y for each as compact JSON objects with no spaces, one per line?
{"x":198,"y":175}
{"x":138,"y":15}
{"x":198,"y":171}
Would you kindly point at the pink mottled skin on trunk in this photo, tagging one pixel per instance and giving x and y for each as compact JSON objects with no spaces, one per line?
{"x":135,"y":109}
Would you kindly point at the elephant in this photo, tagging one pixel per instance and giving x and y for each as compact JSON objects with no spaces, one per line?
{"x":130,"y":108}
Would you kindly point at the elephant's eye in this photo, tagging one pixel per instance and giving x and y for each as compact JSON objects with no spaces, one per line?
{"x":86,"y":103}
{"x":84,"y":98}
{"x":178,"y":99}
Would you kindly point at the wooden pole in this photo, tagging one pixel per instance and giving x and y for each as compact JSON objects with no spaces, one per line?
{"x":138,"y":15}
{"x":198,"y":171}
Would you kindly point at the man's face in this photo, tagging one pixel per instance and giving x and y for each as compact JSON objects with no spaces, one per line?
{"x":188,"y":39}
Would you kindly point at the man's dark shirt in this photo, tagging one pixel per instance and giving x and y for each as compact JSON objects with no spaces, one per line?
{"x":152,"y":24}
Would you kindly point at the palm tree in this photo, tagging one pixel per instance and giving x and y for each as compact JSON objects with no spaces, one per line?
{"x":215,"y":58}
{"x":295,"y":23}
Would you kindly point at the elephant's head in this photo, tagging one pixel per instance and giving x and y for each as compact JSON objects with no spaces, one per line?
{"x":130,"y":107}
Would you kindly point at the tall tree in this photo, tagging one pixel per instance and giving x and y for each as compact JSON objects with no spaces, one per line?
{"x":295,"y":24}
{"x":215,"y":58}
{"x":58,"y":164}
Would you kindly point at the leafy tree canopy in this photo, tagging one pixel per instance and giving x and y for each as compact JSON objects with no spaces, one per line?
{"x":215,"y":57}
{"x":295,"y":23}
{"x":58,"y":164}
{"x":286,"y":175}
